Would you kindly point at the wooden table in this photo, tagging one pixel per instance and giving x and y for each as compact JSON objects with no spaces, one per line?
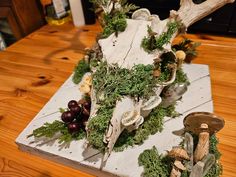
{"x":33,"y":69}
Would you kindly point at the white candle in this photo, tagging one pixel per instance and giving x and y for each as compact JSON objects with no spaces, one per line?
{"x":77,"y":12}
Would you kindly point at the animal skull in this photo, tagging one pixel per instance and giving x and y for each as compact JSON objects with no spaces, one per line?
{"x":125,"y":51}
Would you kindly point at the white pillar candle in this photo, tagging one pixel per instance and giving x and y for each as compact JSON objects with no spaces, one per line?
{"x":77,"y":12}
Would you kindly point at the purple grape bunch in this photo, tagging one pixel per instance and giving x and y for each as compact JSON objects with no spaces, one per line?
{"x":77,"y":115}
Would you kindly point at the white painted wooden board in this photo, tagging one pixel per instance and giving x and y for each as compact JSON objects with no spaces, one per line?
{"x":197,"y":98}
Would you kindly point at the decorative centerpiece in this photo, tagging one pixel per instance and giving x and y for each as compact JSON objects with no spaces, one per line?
{"x":129,"y":82}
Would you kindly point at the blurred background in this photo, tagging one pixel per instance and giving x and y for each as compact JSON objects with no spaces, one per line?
{"x":19,"y":18}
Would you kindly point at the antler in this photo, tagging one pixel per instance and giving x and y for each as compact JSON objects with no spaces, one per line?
{"x":189,"y":12}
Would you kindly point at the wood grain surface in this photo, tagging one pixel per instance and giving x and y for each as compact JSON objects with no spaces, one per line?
{"x":35,"y":67}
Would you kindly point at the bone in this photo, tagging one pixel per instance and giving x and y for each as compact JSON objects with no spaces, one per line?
{"x":124,"y":108}
{"x":125,"y":50}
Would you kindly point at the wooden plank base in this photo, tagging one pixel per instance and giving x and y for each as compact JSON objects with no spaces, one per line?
{"x":197,"y":98}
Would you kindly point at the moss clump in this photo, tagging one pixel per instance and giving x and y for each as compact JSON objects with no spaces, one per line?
{"x":181,"y":77}
{"x":111,"y":83}
{"x":216,"y":169}
{"x":213,"y":147}
{"x":151,"y":42}
{"x":114,"y":82}
{"x":154,"y":164}
{"x":113,"y":21}
{"x":114,"y":24}
{"x":97,"y":127}
{"x":81,"y":68}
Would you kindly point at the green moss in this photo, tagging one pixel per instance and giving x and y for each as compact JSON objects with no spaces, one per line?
{"x":97,"y":127}
{"x":114,"y":23}
{"x":165,"y":75}
{"x":125,"y":140}
{"x":114,"y":82}
{"x":111,"y":83}
{"x":115,"y":20}
{"x":81,"y":68}
{"x":213,"y":147}
{"x":181,"y":77}
{"x":154,"y":164}
{"x":217,"y":169}
{"x":151,"y":42}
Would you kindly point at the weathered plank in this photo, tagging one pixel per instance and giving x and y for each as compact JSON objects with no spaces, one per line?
{"x":198,"y":97}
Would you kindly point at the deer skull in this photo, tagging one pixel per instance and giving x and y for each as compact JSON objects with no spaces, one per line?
{"x":125,"y":50}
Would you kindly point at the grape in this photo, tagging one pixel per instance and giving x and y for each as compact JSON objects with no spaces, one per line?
{"x":82,"y":101}
{"x":67,"y":116}
{"x":85,"y":115}
{"x":73,"y":127}
{"x":75,"y":109}
{"x":86,"y":112}
{"x":87,"y":105}
{"x":72,"y":103}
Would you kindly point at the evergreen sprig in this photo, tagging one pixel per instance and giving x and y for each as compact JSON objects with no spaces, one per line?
{"x":49,"y":130}
{"x":189,"y":47}
{"x":126,"y":7}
